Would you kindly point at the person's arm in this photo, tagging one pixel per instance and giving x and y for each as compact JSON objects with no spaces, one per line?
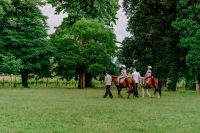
{"x":105,"y":79}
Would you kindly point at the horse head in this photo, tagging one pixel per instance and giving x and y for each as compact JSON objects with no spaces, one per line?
{"x":114,"y":79}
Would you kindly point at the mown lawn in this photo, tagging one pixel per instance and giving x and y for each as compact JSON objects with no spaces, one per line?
{"x":85,"y":111}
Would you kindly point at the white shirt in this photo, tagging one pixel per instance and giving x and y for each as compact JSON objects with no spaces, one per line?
{"x":136,"y":76}
{"x":108,"y":79}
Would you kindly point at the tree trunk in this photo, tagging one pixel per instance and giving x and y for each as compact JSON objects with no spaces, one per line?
{"x":82,"y":77}
{"x":186,"y":83}
{"x":24,"y":75}
{"x":88,"y":80}
{"x":173,"y":77}
{"x":198,"y":84}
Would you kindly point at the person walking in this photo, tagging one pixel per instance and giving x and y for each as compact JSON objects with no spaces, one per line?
{"x":108,"y":80}
{"x":136,"y":78}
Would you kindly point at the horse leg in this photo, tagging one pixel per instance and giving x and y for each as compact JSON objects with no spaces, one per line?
{"x":147,"y":92}
{"x":159,"y":92}
{"x":128,"y":94}
{"x":155,"y":90}
{"x":158,"y":95}
{"x":119,"y":91}
{"x":160,"y":84}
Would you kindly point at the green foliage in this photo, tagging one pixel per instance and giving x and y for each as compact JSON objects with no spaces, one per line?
{"x":103,"y":10}
{"x":87,"y":43}
{"x":10,"y":65}
{"x":96,"y":69}
{"x":24,"y":34}
{"x":149,"y":22}
{"x":187,"y":25}
{"x":5,"y":5}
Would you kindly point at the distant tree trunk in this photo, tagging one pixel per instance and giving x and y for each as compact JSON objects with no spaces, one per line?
{"x":82,"y":77}
{"x":186,"y":83}
{"x":88,"y":80}
{"x":198,"y":84}
{"x":24,"y":75}
{"x":173,"y":77}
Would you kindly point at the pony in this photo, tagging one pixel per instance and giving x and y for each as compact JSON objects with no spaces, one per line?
{"x":128,"y":82}
{"x":152,"y":82}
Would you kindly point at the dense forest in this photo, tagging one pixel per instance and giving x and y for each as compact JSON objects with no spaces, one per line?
{"x":164,"y":34}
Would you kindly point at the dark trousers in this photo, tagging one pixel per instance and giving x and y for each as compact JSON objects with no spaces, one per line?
{"x":108,"y":92}
{"x":136,"y":90}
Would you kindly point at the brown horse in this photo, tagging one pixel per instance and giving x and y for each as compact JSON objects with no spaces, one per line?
{"x":151,"y":82}
{"x":127,"y":83}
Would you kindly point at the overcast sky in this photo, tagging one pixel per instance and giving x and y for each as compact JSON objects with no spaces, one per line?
{"x":56,"y":20}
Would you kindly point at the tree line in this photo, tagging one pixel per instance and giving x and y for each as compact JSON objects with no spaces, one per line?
{"x":82,"y":47}
{"x":165,"y":34}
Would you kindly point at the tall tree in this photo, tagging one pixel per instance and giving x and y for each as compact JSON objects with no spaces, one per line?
{"x":148,"y":21}
{"x":103,"y":10}
{"x":153,"y":40}
{"x":23,"y":33}
{"x":86,"y":47}
{"x":187,"y":25}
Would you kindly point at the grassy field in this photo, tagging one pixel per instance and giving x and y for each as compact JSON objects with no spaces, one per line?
{"x":85,"y":111}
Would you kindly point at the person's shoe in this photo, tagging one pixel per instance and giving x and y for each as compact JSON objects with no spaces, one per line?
{"x":104,"y":96}
{"x":111,"y":97}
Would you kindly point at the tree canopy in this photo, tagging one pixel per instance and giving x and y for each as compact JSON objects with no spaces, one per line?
{"x":87,"y":46}
{"x":163,"y":34}
{"x":187,"y":25}
{"x":103,"y":10}
{"x":24,"y":35}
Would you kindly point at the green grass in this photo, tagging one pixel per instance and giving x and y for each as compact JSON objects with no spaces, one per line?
{"x":85,"y":111}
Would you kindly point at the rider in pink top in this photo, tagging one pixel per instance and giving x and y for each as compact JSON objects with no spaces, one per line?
{"x":147,"y":75}
{"x":123,"y":72}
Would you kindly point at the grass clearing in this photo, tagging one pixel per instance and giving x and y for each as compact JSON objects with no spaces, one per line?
{"x":85,"y":111}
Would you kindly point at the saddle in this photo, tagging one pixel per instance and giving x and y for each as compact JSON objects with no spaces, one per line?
{"x":122,"y":80}
{"x":147,"y":82}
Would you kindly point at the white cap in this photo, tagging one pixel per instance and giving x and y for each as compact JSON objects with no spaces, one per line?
{"x":123,"y":66}
{"x":149,"y":67}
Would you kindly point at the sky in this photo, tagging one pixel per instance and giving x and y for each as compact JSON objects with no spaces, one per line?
{"x":55,"y":20}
